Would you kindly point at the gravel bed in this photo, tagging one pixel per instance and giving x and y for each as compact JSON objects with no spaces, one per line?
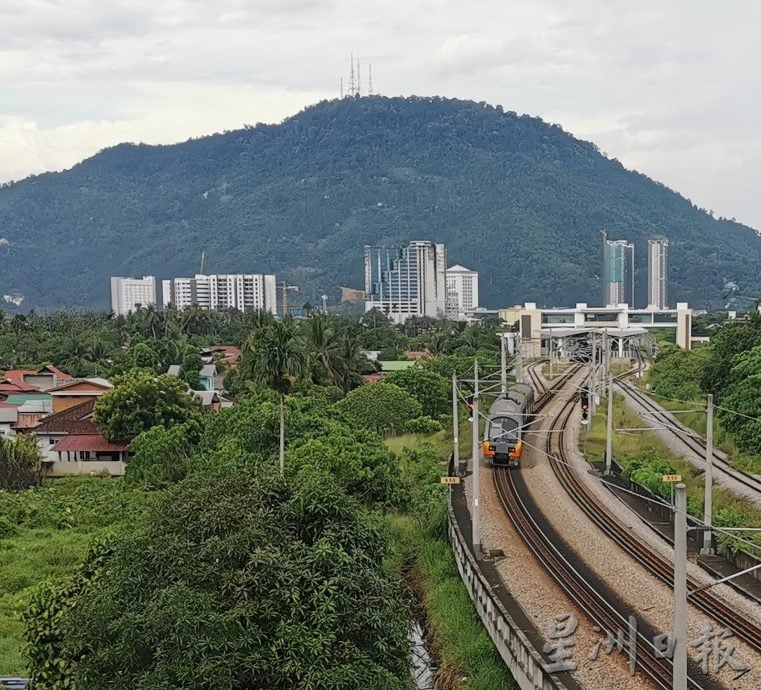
{"x":647,"y":597}
{"x":541,"y":599}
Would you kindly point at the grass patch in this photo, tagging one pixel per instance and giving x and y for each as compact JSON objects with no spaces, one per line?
{"x":629,"y":447}
{"x":44,"y":534}
{"x":420,"y":548}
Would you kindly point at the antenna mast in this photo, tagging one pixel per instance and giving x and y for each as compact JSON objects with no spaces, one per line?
{"x":370,"y":80}
{"x":342,"y":87}
{"x":359,"y":80}
{"x":351,"y":76}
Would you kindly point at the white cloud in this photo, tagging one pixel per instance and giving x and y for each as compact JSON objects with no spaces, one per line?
{"x":669,"y":88}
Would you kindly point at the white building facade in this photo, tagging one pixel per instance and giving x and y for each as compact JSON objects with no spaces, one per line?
{"x":462,"y":292}
{"x":241,"y":291}
{"x":406,"y":281}
{"x":129,"y":293}
{"x":657,"y":272}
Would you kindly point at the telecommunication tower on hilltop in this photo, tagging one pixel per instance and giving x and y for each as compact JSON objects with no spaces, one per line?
{"x":354,"y":86}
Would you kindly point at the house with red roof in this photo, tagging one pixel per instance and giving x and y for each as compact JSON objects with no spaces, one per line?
{"x":42,"y":379}
{"x":71,"y":444}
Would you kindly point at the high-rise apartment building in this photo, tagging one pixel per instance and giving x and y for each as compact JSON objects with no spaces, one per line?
{"x":617,"y":272}
{"x":657,"y":272}
{"x":405,"y":281}
{"x":129,"y":293}
{"x":244,"y":292}
{"x":462,"y":292}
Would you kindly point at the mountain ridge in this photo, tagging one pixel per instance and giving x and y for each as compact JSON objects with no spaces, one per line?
{"x":511,"y":196}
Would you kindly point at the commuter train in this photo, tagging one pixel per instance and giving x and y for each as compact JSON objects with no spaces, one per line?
{"x":506,"y":426}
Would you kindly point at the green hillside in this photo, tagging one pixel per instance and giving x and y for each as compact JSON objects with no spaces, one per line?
{"x":517,"y":199}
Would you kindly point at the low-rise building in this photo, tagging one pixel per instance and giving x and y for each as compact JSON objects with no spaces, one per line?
{"x":77,"y":391}
{"x":71,"y":444}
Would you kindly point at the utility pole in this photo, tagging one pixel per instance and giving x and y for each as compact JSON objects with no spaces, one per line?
{"x":455,"y":424}
{"x":680,"y":589}
{"x":518,"y":359}
{"x":593,"y":403}
{"x":476,"y":462}
{"x":503,"y":364}
{"x":551,"y":358}
{"x":609,"y":432}
{"x":708,"y":498}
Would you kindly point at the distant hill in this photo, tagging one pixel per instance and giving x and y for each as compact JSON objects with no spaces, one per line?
{"x":519,"y":200}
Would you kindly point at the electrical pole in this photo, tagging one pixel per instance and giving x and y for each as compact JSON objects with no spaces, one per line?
{"x":455,"y":424}
{"x":476,"y":463}
{"x":518,"y":359}
{"x":593,"y":404}
{"x":551,"y":358}
{"x":609,"y":432}
{"x":708,"y":498}
{"x":503,"y":364}
{"x":680,"y":589}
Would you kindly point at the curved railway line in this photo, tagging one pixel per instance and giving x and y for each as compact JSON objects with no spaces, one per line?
{"x":584,"y":594}
{"x":687,"y":436}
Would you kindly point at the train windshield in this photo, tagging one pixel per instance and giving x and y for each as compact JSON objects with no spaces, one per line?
{"x":504,"y":429}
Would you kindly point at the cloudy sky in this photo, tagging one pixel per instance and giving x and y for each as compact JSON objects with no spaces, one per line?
{"x":670,"y":88}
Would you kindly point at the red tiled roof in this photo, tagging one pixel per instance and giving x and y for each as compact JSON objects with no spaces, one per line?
{"x":60,"y":375}
{"x":17,"y":387}
{"x":375,"y":376}
{"x":28,"y":420}
{"x":230,"y":353}
{"x":17,"y":375}
{"x":75,"y":420}
{"x":92,"y":442}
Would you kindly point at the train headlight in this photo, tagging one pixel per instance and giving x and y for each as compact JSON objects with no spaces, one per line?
{"x":492,"y":448}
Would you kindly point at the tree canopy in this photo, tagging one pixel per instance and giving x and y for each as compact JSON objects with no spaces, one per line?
{"x":141,"y":400}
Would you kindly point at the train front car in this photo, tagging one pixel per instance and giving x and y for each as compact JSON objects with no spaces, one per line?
{"x":502,"y":438}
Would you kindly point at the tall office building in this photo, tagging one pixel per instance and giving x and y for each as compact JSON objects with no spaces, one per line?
{"x":129,"y":293}
{"x":405,"y":281}
{"x":462,"y":292}
{"x":244,"y":292}
{"x":617,"y":272}
{"x":657,"y":272}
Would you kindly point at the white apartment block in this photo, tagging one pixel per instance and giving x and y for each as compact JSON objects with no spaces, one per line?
{"x":241,"y":291}
{"x":129,"y":293}
{"x":657,"y":272}
{"x":406,"y":281}
{"x":462,"y":292}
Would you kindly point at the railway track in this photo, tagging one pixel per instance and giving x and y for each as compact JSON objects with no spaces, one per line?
{"x":662,"y":568}
{"x":585,"y":595}
{"x":746,"y":479}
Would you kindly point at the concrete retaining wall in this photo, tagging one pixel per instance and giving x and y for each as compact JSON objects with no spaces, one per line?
{"x":513,"y":646}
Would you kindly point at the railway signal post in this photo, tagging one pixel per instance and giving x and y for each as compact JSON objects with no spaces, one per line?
{"x":609,"y":431}
{"x":476,"y":512}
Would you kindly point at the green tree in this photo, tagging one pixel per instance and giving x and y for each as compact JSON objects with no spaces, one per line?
{"x":160,"y":455}
{"x":380,"y":406}
{"x":274,"y":358}
{"x":191,"y":368}
{"x":236,"y":580}
{"x":430,"y":389}
{"x":141,"y":400}
{"x":19,"y":463}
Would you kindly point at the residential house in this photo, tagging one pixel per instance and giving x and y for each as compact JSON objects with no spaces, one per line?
{"x":77,"y":391}
{"x":8,"y":419}
{"x":71,"y":444}
{"x":42,"y":379}
{"x":207,"y":377}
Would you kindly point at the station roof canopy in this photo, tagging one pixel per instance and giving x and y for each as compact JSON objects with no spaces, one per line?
{"x":615,"y":332}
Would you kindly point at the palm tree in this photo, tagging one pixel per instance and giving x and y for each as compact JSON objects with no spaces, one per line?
{"x":275,"y":359}
{"x":324,"y":348}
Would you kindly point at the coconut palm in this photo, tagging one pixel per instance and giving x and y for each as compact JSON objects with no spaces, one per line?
{"x":274,"y":359}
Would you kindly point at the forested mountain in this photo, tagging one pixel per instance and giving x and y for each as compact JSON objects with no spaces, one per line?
{"x":517,"y":199}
